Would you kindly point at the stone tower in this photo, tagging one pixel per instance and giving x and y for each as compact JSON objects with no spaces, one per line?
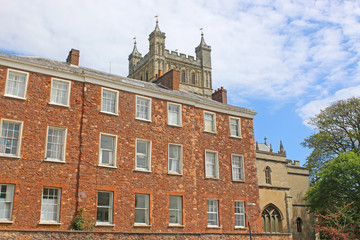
{"x":195,"y":74}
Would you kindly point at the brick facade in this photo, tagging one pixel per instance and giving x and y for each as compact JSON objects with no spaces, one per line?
{"x":80,"y":177}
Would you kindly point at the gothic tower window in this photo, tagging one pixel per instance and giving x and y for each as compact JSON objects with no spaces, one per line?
{"x":271,"y":220}
{"x":193,"y":78}
{"x":267,"y":175}
{"x":299,"y":223}
{"x":182,"y":79}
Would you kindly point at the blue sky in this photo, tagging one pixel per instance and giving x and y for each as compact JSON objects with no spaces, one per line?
{"x":285,"y":59}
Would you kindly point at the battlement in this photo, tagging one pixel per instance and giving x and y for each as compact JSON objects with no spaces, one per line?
{"x":174,"y":55}
{"x":295,"y":163}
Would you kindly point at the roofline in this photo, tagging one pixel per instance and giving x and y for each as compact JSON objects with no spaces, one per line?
{"x":82,"y":74}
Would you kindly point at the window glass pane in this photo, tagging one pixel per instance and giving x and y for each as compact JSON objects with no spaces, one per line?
{"x":175,"y":210}
{"x":174,"y":114}
{"x":55,"y":143}
{"x":142,"y":108}
{"x":59,"y":92}
{"x":142,"y":154}
{"x":209,"y":122}
{"x":103,"y":199}
{"x":142,"y":208}
{"x":9,"y":138}
{"x":104,"y":207}
{"x":6,"y":201}
{"x":212,"y":212}
{"x":50,"y":205}
{"x":174,"y":158}
{"x":15,"y":84}
{"x":107,"y":148}
{"x":234,"y":127}
{"x":211,"y":164}
{"x":109,"y":101}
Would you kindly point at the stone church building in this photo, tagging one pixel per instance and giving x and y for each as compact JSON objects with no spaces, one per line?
{"x":195,"y":74}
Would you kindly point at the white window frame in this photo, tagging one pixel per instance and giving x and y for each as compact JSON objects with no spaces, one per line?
{"x":52,"y":93}
{"x":178,"y":210}
{"x":149,"y":109}
{"x":113,"y":165}
{"x":180,"y":159}
{"x":238,"y":127}
{"x":239,"y":214}
{"x":213,"y":212}
{"x":110,"y":208}
{"x":179,"y":114}
{"x":8,"y":201}
{"x":216,"y":165}
{"x":146,"y":208}
{"x":63,"y":143}
{"x":241,"y":168}
{"x":57,"y":221}
{"x":26,"y":84}
{"x":18,"y":148}
{"x":213,"y":127}
{"x":149,"y":146}
{"x":116,"y":101}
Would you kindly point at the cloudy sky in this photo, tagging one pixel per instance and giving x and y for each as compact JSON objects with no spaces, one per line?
{"x":285,"y":59}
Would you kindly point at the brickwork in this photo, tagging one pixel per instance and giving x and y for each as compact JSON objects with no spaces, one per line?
{"x":80,"y":177}
{"x":71,"y":235}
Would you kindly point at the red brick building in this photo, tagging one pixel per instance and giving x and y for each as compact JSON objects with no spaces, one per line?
{"x":136,"y":156}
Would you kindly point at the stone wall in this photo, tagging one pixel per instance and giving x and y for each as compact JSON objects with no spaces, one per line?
{"x":72,"y":235}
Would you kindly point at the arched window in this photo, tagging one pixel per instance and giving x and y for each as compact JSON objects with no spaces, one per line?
{"x":182,"y":79}
{"x":299,"y":223}
{"x":193,"y":78}
{"x":271,"y":220}
{"x":268,"y":175}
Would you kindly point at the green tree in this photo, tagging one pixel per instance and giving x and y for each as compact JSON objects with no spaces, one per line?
{"x":338,"y":132}
{"x":338,"y":185}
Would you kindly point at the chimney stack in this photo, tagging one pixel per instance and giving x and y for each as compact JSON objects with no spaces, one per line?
{"x":73,"y":57}
{"x":171,"y":79}
{"x":220,"y":95}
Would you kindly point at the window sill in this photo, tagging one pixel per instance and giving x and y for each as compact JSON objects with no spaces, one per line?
{"x":50,"y":223}
{"x":59,"y":104}
{"x":53,"y":160}
{"x":9,"y":156}
{"x":174,"y":125}
{"x":176,"y":225}
{"x":141,"y":225}
{"x":212,"y":178}
{"x":6,"y":222}
{"x":104,"y":224}
{"x":214,"y":227}
{"x":110,"y":113}
{"x":236,"y":137}
{"x":143,"y":119}
{"x":238,"y":180}
{"x":106,"y":166}
{"x":241,"y":228}
{"x":211,"y":132}
{"x":142,"y":170}
{"x":175,"y":174}
{"x":17,"y":97}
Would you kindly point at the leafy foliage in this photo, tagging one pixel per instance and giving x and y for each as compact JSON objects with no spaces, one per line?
{"x":80,"y":223}
{"x":338,"y":185}
{"x":335,"y":225}
{"x":338,"y":132}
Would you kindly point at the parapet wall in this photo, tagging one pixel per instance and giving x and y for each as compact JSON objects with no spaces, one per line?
{"x":86,"y":235}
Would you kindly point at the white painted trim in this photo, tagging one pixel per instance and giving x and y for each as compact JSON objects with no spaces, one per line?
{"x":239,"y":127}
{"x":180,"y":160}
{"x":115,"y":150}
{"x":149,"y":108}
{"x":46,"y":143}
{"x":116,"y":104}
{"x":69,"y":92}
{"x":26,"y":83}
{"x":214,"y":115}
{"x":180,"y":114}
{"x":149,"y":157}
{"x":18,"y":154}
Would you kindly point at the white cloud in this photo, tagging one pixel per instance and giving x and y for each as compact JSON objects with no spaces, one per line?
{"x":312,"y":108}
{"x":281,"y":51}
